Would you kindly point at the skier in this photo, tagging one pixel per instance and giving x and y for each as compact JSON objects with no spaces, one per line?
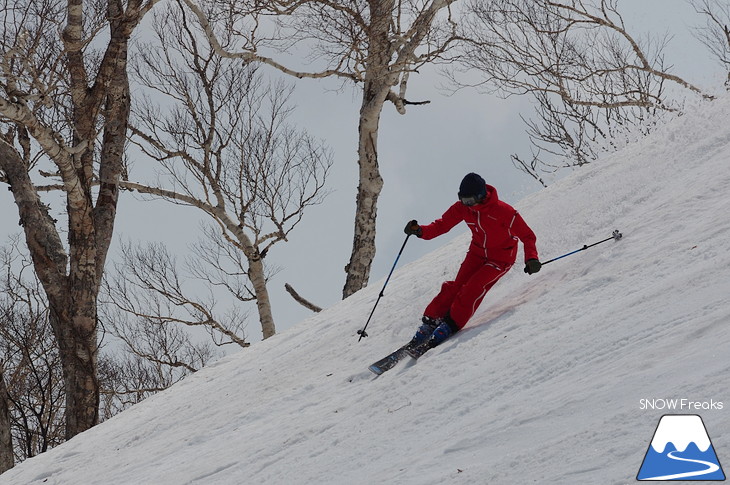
{"x":495,"y":227}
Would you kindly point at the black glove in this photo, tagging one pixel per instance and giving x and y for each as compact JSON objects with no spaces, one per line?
{"x":532,"y":266}
{"x":413,"y":229}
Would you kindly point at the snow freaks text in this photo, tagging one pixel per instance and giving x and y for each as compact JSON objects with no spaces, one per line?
{"x":679,"y":405}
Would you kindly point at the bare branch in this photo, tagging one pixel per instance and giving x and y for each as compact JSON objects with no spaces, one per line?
{"x":251,"y":56}
{"x":30,"y":367}
{"x":715,"y":35}
{"x":301,"y":300}
{"x":147,"y":284}
{"x":593,"y":82}
{"x":577,"y":50}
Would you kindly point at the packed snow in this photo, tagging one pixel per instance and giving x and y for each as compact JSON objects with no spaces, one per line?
{"x":560,"y":377}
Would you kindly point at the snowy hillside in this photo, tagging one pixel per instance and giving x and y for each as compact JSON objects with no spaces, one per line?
{"x":549,"y":383}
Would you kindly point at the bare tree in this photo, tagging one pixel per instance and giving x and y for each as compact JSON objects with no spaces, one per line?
{"x":33,"y":399}
{"x":592,"y":79}
{"x":579,"y":50}
{"x":377,"y":44}
{"x":715,"y":35}
{"x":148,"y":286}
{"x":155,"y":358}
{"x":224,"y":146}
{"x":64,"y":100}
{"x":565,"y":135}
{"x":143,"y":306}
{"x":7,"y":459}
{"x":32,"y":394}
{"x":129,"y":379}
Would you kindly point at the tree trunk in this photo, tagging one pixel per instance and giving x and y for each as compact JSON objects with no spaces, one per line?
{"x":368,"y":192}
{"x":378,"y":80}
{"x":256,"y":273}
{"x":71,"y":291}
{"x":78,"y":350}
{"x":7,"y":460}
{"x":263,"y":303}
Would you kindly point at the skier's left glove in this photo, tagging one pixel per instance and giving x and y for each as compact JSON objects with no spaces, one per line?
{"x":532,"y":266}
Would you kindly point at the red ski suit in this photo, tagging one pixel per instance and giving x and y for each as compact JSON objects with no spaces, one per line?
{"x":495,"y":226}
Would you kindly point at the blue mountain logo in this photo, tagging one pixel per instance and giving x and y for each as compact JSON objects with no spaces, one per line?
{"x":681,"y":450}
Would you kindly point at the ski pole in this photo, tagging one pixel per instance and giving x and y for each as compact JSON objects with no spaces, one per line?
{"x":362,"y":331}
{"x":616,"y":235}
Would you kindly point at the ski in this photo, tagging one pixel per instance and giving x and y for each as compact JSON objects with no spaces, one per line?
{"x":390,"y":360}
{"x":416,"y":352}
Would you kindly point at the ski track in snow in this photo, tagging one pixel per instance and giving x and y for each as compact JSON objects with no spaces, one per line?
{"x":542,"y":386}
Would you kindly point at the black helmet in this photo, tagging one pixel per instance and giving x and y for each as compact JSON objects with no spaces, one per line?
{"x":473,"y":189}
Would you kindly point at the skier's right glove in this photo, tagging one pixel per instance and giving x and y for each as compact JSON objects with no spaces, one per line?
{"x":532,"y":266}
{"x":413,"y":229}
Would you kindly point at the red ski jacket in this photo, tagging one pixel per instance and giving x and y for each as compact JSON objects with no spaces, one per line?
{"x":495,"y":226}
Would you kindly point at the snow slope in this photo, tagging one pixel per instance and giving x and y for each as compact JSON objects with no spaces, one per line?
{"x":547,"y":384}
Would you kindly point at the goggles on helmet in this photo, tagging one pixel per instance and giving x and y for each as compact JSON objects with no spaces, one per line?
{"x":470,"y":200}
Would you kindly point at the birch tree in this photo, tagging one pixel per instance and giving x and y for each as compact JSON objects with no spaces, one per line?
{"x":225,"y":147}
{"x":64,"y":106}
{"x":375,"y":44}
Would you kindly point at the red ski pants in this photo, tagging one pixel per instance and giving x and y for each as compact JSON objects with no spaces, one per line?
{"x":461,"y":298}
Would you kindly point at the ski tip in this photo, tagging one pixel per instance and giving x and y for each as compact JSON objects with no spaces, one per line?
{"x":375,"y":370}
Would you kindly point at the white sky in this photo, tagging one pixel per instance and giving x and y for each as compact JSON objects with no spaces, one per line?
{"x":423,"y":156}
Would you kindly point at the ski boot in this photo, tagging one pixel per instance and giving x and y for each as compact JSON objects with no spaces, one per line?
{"x":425,"y":331}
{"x":421,"y":344}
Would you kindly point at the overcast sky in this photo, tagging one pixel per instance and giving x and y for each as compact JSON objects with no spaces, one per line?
{"x":423,"y":156}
